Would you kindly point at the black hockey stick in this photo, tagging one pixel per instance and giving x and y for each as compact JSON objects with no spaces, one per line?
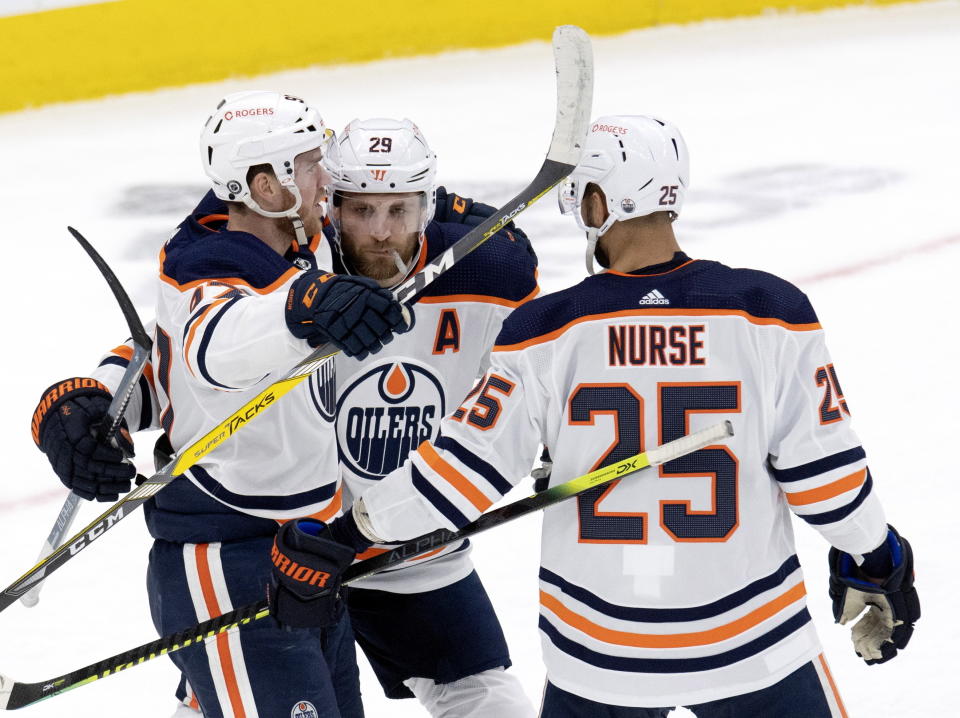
{"x":14,"y":694}
{"x":142,"y":344}
{"x":574,"y":69}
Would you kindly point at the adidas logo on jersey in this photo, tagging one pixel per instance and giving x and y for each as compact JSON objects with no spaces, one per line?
{"x":654,"y":297}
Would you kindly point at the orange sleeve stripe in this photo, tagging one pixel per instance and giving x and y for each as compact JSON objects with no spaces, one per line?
{"x":657,"y":312}
{"x":428,"y":554}
{"x":460,"y":482}
{"x":327,"y":513}
{"x":193,"y":332}
{"x":822,"y":493}
{"x":673,"y":640}
{"x":127,"y":353}
{"x":148,"y":373}
{"x":123,"y":351}
{"x":223,"y":639}
{"x":374,"y":551}
{"x":370,"y":553}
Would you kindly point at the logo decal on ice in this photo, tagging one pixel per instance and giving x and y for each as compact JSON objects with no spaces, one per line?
{"x":304,"y":709}
{"x":654,"y":297}
{"x":386,"y":413}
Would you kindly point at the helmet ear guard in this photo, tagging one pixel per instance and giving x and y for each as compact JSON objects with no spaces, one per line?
{"x":641,"y":165}
{"x":260,"y":128}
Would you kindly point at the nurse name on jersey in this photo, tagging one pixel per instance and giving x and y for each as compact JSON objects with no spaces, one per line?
{"x":387,"y":412}
{"x":644,"y":344}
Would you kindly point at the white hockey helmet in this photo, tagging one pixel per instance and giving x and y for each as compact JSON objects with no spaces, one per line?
{"x":639,"y":162}
{"x":383,"y":156}
{"x":259,"y":128}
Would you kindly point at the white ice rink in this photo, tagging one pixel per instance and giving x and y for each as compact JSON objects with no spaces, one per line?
{"x":824,"y":149}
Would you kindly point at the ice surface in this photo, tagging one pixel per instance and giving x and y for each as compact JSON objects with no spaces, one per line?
{"x":824,"y":149}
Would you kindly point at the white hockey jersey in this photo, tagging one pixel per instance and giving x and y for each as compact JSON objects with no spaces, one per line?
{"x":392,"y":401}
{"x":679,"y":585}
{"x":387,"y":404}
{"x":220,"y":332}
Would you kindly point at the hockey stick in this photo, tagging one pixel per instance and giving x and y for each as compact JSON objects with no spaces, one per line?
{"x":14,"y":694}
{"x":142,"y":344}
{"x":574,"y":68}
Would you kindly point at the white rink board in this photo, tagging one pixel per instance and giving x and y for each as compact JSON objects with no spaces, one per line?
{"x":824,"y":148}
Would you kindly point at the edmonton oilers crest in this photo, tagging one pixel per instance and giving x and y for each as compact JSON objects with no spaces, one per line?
{"x":385,"y":413}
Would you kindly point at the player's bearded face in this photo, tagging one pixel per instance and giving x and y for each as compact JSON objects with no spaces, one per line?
{"x":375,"y":229}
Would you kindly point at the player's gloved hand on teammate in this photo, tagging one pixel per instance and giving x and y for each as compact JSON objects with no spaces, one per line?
{"x":354,"y":313}
{"x":307,"y":567}
{"x":454,"y":208}
{"x":882,"y":584}
{"x":65,"y":425}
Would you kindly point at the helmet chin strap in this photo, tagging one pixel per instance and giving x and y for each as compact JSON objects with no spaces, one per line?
{"x":591,"y":248}
{"x":290,"y":213}
{"x":593,"y":236}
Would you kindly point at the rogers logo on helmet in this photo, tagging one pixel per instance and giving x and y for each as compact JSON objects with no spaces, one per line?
{"x":230,"y":114}
{"x":609,"y":128}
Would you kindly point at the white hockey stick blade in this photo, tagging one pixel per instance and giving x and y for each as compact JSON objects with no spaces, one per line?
{"x":692,"y":442}
{"x":574,"y":60}
{"x":61,"y":528}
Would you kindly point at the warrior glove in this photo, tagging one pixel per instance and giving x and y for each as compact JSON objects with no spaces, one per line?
{"x":307,"y":567}
{"x":353,"y":313}
{"x":891,"y":602}
{"x":65,"y":428}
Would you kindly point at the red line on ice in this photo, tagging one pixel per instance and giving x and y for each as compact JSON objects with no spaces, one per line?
{"x":34,"y":500}
{"x":880,"y":261}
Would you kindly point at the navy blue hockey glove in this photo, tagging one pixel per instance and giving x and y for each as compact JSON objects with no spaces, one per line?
{"x":892,"y":604}
{"x":454,"y":208}
{"x":354,"y":313}
{"x":64,"y":427}
{"x":307,"y":564}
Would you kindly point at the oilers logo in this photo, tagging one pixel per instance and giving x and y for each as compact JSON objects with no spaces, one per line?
{"x":304,"y":709}
{"x":323,"y":390}
{"x":385,"y":413}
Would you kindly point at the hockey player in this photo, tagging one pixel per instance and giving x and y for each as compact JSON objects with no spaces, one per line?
{"x":681,"y":589}
{"x":408,"y":622}
{"x":238,"y":301}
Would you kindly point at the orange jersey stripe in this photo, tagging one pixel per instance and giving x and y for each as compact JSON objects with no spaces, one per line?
{"x":672,"y":640}
{"x":324,"y":514}
{"x":193,"y":331}
{"x":657,"y":312}
{"x":657,"y":274}
{"x":123,"y":351}
{"x":833,"y":685}
{"x":481,"y":298}
{"x":204,"y":221}
{"x":293,"y":271}
{"x":460,"y":482}
{"x":822,"y":493}
{"x":223,"y":645}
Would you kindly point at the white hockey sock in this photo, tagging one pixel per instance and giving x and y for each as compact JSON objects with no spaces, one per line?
{"x":488,"y":693}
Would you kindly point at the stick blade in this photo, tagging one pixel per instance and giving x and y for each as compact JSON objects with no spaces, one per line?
{"x":573,"y":55}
